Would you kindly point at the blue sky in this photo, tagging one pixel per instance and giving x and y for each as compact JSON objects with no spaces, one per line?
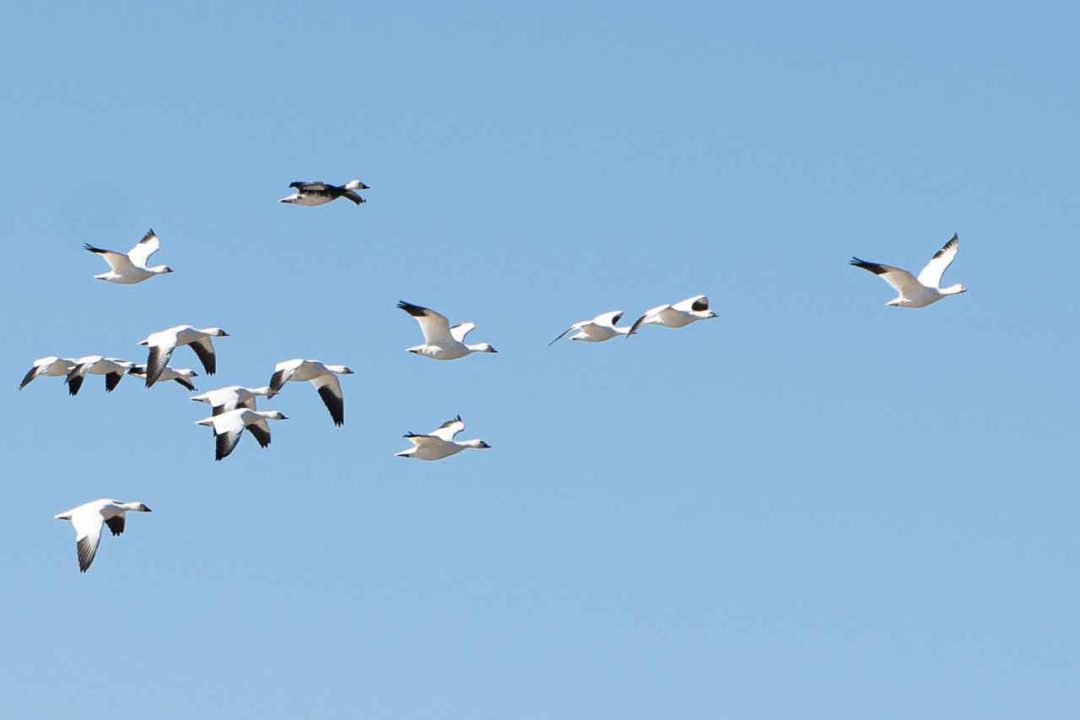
{"x":814,"y":506}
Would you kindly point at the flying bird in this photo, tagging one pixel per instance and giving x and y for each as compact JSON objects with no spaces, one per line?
{"x":182,"y":376}
{"x":678,"y":315}
{"x":442,"y":342}
{"x":600,"y":328}
{"x":233,"y":397}
{"x":229,"y":426}
{"x":163,"y":343}
{"x":51,"y":366}
{"x":130,"y":267}
{"x":113,"y":369}
{"x":87,"y":520}
{"x":311,"y":194}
{"x":323,"y":377}
{"x":917,"y":292}
{"x":440,"y":442}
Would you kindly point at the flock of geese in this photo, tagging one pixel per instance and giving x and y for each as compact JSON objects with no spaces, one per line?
{"x":233,"y":408}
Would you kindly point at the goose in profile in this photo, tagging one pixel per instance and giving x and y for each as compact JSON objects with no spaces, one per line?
{"x":678,"y":315}
{"x":87,"y":520}
{"x":51,"y":366}
{"x":323,"y":377}
{"x":233,"y":397}
{"x":229,"y":426}
{"x":130,"y":267}
{"x":113,"y":369}
{"x":163,"y":343}
{"x":182,"y":376}
{"x":917,"y":292}
{"x":441,"y":341}
{"x":600,"y":328}
{"x":440,"y":442}
{"x":311,"y":194}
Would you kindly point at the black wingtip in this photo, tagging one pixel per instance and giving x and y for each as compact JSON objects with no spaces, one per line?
{"x":414,"y":310}
{"x":91,"y":248}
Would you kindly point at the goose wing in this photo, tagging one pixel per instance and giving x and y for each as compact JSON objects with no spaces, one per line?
{"x":161,"y":349}
{"x":901,"y":280}
{"x":422,"y":440}
{"x":449,"y":429}
{"x":698,"y":303}
{"x":205,"y":350}
{"x":575,"y":326}
{"x":329,"y":388}
{"x":87,"y":523}
{"x":260,"y":430}
{"x":648,"y":314}
{"x":435,"y":326}
{"x":459,"y":331}
{"x":119,"y":262}
{"x":939,"y":263}
{"x":140,"y":254}
{"x":608,"y":319}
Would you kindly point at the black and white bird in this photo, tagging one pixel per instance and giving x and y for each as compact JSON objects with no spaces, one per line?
{"x":600,"y":328}
{"x":163,"y":343}
{"x":87,"y":520}
{"x":130,"y":267}
{"x":320,"y":193}
{"x":323,"y":377}
{"x":182,"y":376}
{"x":51,"y":366}
{"x":113,"y":369}
{"x":676,"y":315}
{"x":440,"y":442}
{"x":917,"y":292}
{"x":229,"y":426}
{"x":442,"y":342}
{"x":232,"y":397}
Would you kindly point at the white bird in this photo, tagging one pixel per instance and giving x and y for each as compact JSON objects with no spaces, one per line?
{"x":441,"y":341}
{"x":87,"y":520}
{"x":440,"y":443}
{"x":600,"y":328}
{"x":323,"y":377}
{"x":229,"y":426}
{"x":164,"y":342}
{"x":182,"y":376}
{"x":916,"y":292}
{"x":51,"y":366}
{"x":677,"y":315}
{"x":113,"y":369}
{"x":130,"y":267}
{"x":311,"y":194}
{"x":233,"y":397}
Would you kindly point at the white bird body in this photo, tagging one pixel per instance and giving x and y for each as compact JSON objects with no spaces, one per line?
{"x":600,"y":328}
{"x":676,"y":315}
{"x":87,"y":520}
{"x":163,"y":343}
{"x":440,"y":442}
{"x":917,"y":292}
{"x":130,"y":267}
{"x":232,"y":397}
{"x":442,"y":342}
{"x":229,"y":427}
{"x":51,"y":366}
{"x":312,"y":194}
{"x":113,"y":369}
{"x":322,"y":377}
{"x":182,"y":376}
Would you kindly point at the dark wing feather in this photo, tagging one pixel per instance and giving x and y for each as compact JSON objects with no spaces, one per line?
{"x":112,"y":380}
{"x":185,"y":382}
{"x":262,"y":436}
{"x":206,"y":355}
{"x":277,"y":380}
{"x":225,"y":443}
{"x":875,"y":268}
{"x":28,"y":377}
{"x":334,"y":404}
{"x":116,"y":524}
{"x":87,"y":549}
{"x":155,"y":363}
{"x":350,"y":195}
{"x":74,"y":382}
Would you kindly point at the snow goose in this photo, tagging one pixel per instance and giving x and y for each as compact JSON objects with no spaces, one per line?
{"x":441,"y":341}
{"x":224,"y":399}
{"x":440,"y":442}
{"x":229,"y":426}
{"x":323,"y":377}
{"x":677,"y":315}
{"x":182,"y":376}
{"x":311,"y":194}
{"x":87,"y":520}
{"x":51,"y":366}
{"x":113,"y":369}
{"x":917,"y":292}
{"x":130,"y":267}
{"x":163,"y":343}
{"x":600,"y":328}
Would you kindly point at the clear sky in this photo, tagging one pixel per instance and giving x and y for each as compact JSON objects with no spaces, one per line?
{"x":814,"y":506}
